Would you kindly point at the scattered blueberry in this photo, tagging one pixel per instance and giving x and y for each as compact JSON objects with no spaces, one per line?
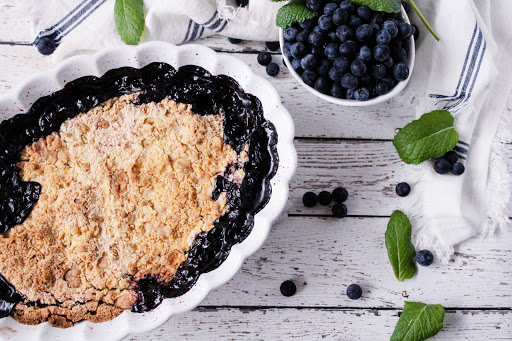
{"x":400,"y":71}
{"x":309,"y":199}
{"x":264,"y":58}
{"x":309,"y":62}
{"x":324,"y":197}
{"x":381,"y":52}
{"x":298,"y":50}
{"x":358,"y":68}
{"x":364,"y":32}
{"x":364,"y":13}
{"x":451,"y":157}
{"x":364,"y":54}
{"x":331,"y":51}
{"x":46,"y":46}
{"x":325,"y":22}
{"x":290,"y":33}
{"x":234,"y":40}
{"x":381,"y":88}
{"x":349,"y":94}
{"x":340,"y":194}
{"x":323,"y":84}
{"x":354,"y":291}
{"x":272,"y":45}
{"x":339,"y":210}
{"x":348,"y":48}
{"x":349,"y":81}
{"x":362,"y":94}
{"x":288,"y":288}
{"x":383,"y":37}
{"x":403,"y":189}
{"x":339,"y":17}
{"x":424,"y":257}
{"x":272,"y":69}
{"x":405,"y":29}
{"x":442,"y":166}
{"x":457,"y":168}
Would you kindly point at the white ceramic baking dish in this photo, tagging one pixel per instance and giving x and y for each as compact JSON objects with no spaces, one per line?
{"x":46,"y":83}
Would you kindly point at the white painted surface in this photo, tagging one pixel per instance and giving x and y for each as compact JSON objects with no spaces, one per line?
{"x":336,"y":146}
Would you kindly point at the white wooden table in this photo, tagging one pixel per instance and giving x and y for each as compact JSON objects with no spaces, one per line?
{"x":336,"y":146}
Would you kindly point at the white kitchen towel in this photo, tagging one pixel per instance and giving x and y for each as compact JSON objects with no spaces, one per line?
{"x":81,"y":26}
{"x":469,"y":73}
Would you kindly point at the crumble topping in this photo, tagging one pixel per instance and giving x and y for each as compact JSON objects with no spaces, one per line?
{"x":125,"y":190}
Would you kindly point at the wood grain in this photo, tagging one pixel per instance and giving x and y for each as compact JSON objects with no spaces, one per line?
{"x":321,"y":324}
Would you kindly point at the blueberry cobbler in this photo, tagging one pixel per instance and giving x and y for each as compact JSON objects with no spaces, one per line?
{"x":119,"y":191}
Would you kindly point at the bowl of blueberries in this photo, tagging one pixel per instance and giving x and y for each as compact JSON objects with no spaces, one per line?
{"x":350,"y":54}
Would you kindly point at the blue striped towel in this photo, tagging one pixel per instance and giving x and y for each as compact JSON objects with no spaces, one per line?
{"x":78,"y":26}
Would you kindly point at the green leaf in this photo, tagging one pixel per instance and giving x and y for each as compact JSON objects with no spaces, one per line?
{"x":293,"y":12}
{"x":430,"y":136}
{"x":389,"y":6}
{"x":278,"y":0}
{"x":401,"y":252}
{"x":129,"y":18}
{"x":418,"y":322}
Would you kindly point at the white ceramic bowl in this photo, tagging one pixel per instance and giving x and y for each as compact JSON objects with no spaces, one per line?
{"x":352,"y":102}
{"x":48,"y":82}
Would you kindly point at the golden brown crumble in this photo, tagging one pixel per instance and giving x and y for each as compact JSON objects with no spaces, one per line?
{"x":125,"y":190}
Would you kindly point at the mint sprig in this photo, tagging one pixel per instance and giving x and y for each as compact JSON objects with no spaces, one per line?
{"x":389,"y":6}
{"x":401,"y":252}
{"x":293,"y":12}
{"x":129,"y":19}
{"x":418,"y":322}
{"x":430,"y":136}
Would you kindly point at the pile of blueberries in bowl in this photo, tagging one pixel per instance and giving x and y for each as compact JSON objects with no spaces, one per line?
{"x":350,"y":54}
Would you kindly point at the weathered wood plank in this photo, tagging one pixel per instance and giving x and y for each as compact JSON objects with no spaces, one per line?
{"x":325,"y":255}
{"x":315,"y":324}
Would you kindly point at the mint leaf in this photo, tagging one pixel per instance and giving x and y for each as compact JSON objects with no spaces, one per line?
{"x":389,"y":6}
{"x":418,"y":322}
{"x":400,"y":249}
{"x":129,"y":18}
{"x":430,"y":136}
{"x":293,"y":12}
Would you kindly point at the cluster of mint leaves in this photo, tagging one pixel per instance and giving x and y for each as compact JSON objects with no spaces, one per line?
{"x":295,"y":11}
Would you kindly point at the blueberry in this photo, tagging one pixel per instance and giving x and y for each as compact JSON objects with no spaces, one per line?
{"x":287,"y":50}
{"x":332,"y":37}
{"x":264,"y":58}
{"x":318,"y":29}
{"x":323,"y":84}
{"x":406,"y":6}
{"x":309,"y":62}
{"x":339,"y":17}
{"x":316,"y":38}
{"x":457,"y":168}
{"x":242,"y":3}
{"x":348,"y":48}
{"x":354,"y":292}
{"x":309,"y":77}
{"x":416,"y":31}
{"x":403,"y":189}
{"x":342,"y":63}
{"x":358,"y":68}
{"x":340,"y":194}
{"x":405,"y":29}
{"x":324,"y":198}
{"x":381,"y":88}
{"x":339,"y":210}
{"x":363,"y":32}
{"x":349,"y":94}
{"x":46,"y":46}
{"x":391,"y":27}
{"x":323,"y":67}
{"x":234,"y":40}
{"x":364,"y":54}
{"x":309,"y":199}
{"x":335,"y":74}
{"x":354,"y":21}
{"x":388,"y":81}
{"x":331,"y":51}
{"x":364,"y":13}
{"x":362,"y":94}
{"x":330,"y":8}
{"x":347,"y":6}
{"x":290,"y":34}
{"x":399,"y":54}
{"x":377,"y":19}
{"x":296,"y":65}
{"x":406,"y":44}
{"x":302,"y":36}
{"x":378,"y":71}
{"x":400,"y":71}
{"x":317,"y":51}
{"x":389,"y":63}
{"x":424,"y":257}
{"x":308,"y":24}
{"x":272,"y":69}
{"x":382,"y":37}
{"x":349,"y":81}
{"x":337,"y":90}
{"x":451,"y":157}
{"x":298,"y":50}
{"x":315,"y":5}
{"x":325,"y":22}
{"x":344,"y":33}
{"x":272,"y":45}
{"x":380,"y":52}
{"x":442,"y":166}
{"x":288,"y":288}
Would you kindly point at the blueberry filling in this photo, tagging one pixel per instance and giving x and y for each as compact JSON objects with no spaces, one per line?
{"x":208,"y":94}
